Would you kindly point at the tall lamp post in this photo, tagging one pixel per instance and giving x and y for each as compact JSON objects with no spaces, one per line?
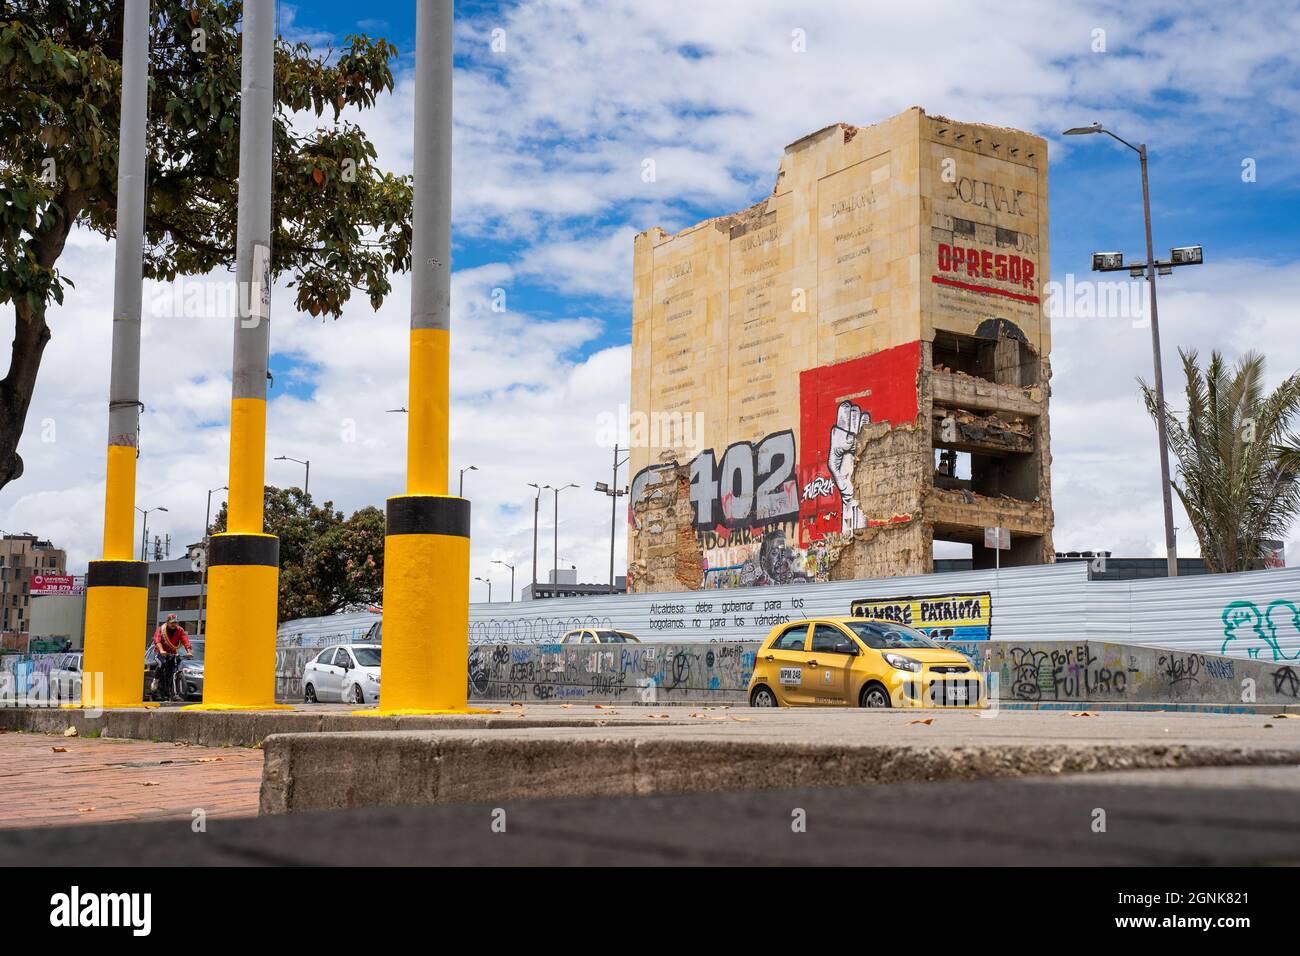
{"x":306,"y":478}
{"x":1114,"y":262}
{"x":536,"y":504}
{"x":614,"y":492}
{"x":556,"y":530}
{"x":507,"y":564}
{"x":207,"y":537}
{"x":461,"y":492}
{"x":488,"y":583}
{"x":144,"y":530}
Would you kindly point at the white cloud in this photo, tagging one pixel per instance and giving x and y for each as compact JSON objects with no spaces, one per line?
{"x":550,"y":142}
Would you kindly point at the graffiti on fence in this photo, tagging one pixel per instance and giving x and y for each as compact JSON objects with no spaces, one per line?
{"x":631,"y":672}
{"x":1260,"y":635}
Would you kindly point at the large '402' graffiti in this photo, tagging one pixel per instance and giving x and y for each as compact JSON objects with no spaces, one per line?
{"x":1246,"y":629}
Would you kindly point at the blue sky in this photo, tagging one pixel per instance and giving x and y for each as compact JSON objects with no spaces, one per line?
{"x":550,"y":136}
{"x":1198,"y":195}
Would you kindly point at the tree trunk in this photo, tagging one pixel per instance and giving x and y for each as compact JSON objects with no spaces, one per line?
{"x":31,"y":334}
{"x":30,"y":337}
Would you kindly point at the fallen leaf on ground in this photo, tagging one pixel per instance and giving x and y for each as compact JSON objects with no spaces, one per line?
{"x":601,"y":706}
{"x":207,"y":759}
{"x":515,"y":703}
{"x":59,"y":750}
{"x":1084,"y":713}
{"x":70,"y":732}
{"x":148,"y":783}
{"x":85,"y":809}
{"x":734,"y":717}
{"x":927,"y":721}
{"x":566,"y":706}
{"x":1287,"y":716}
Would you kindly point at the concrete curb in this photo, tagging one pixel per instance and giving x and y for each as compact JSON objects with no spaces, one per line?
{"x":250,"y":728}
{"x":331,"y":771}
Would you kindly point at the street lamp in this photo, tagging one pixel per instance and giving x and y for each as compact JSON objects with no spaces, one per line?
{"x":512,"y":576}
{"x":614,"y":493}
{"x":144,"y":530}
{"x":1114,"y":262}
{"x":306,"y":478}
{"x":556,"y":568}
{"x":460,"y":493}
{"x":207,"y":540}
{"x":489,"y":584}
{"x":536,"y":501}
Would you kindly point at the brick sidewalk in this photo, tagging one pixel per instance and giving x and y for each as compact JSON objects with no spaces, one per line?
{"x":97,"y":781}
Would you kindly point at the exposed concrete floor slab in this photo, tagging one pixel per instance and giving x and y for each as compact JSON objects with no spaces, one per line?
{"x":1182,"y":817}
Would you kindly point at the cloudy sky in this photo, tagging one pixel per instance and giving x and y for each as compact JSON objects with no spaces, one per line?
{"x":551,"y":133}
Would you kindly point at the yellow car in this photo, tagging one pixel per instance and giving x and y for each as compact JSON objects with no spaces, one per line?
{"x":853,"y":661}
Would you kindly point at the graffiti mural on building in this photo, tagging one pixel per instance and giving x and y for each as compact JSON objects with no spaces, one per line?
{"x":770,"y":512}
{"x":1260,"y":635}
{"x":943,"y":617}
{"x":835,"y":403}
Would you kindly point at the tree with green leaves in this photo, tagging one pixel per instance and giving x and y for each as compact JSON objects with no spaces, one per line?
{"x":1238,"y":483}
{"x":339,"y":222}
{"x":327,"y":563}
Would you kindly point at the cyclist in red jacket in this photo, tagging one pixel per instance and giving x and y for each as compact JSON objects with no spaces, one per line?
{"x":168,"y":639}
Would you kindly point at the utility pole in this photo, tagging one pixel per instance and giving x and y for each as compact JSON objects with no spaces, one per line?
{"x":614,"y":492}
{"x":207,"y":545}
{"x":244,"y":561}
{"x":555,"y":573}
{"x":117,"y":588}
{"x":426,"y":621}
{"x":1114,"y":262}
{"x":536,"y":505}
{"x":512,"y":576}
{"x":1171,"y":546}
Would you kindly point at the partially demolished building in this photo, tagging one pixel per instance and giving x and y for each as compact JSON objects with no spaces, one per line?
{"x":829,"y":381}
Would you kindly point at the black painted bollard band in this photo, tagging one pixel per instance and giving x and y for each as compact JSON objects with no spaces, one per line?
{"x":245,"y":549}
{"x":427,"y":514}
{"x":117,"y":574}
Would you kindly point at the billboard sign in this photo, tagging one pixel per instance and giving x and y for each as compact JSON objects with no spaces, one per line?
{"x":943,"y":617}
{"x":47,"y":584}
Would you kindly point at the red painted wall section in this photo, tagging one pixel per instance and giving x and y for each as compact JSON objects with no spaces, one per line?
{"x":879,"y":388}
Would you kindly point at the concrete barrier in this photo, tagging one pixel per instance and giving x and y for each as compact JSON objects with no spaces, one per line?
{"x":1048,"y":672}
{"x":724,"y":750}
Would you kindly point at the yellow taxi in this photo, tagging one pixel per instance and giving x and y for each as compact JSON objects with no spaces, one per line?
{"x":854,"y":661}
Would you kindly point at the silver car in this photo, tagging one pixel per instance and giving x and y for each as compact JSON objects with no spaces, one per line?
{"x":343,"y":672}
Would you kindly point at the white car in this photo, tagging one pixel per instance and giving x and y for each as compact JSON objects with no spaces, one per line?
{"x":343,"y":672}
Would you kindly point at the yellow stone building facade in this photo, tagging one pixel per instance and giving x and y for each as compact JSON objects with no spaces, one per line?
{"x":825,"y":383}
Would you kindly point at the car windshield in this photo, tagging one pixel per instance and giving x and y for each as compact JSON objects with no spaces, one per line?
{"x":885,"y":634}
{"x":367,"y":656}
{"x":611,"y":637}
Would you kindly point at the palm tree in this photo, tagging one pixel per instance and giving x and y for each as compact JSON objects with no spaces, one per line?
{"x":1237,"y":478}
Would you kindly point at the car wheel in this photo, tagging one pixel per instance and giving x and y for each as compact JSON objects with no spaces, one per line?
{"x":355,"y":696}
{"x":874,"y":695}
{"x":309,"y":694}
{"x":763,"y":697}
